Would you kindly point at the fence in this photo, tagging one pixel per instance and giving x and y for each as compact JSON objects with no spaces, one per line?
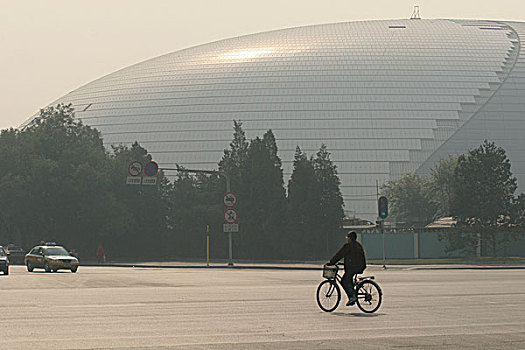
{"x":424,"y":245}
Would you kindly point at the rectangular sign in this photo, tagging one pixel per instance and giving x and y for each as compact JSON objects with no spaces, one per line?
{"x":230,"y":227}
{"x":149,"y":180}
{"x":133,"y":180}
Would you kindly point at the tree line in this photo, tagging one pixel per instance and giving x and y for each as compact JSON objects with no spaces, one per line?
{"x":476,"y":189}
{"x":61,"y":184}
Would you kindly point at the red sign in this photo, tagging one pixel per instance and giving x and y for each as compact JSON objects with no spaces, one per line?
{"x":151,"y":169}
{"x":229,"y":199}
{"x":230,"y":216}
{"x":135,"y":168}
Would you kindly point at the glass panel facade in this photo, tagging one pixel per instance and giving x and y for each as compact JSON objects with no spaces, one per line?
{"x":384,"y":101}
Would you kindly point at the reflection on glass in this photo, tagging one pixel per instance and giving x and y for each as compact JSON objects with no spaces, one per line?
{"x":245,"y":54}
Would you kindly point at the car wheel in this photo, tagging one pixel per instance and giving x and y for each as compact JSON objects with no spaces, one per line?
{"x":46,"y":267}
{"x":74,"y":269}
{"x":29,"y":267}
{"x":6,"y":271}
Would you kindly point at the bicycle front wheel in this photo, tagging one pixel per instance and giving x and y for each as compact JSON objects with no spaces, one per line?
{"x":369,"y":296}
{"x":328,"y":295}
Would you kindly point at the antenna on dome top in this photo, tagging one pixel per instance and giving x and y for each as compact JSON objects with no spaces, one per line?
{"x":415,"y":14}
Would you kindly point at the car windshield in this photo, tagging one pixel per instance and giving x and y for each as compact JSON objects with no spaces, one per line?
{"x":2,"y":251}
{"x":55,"y":251}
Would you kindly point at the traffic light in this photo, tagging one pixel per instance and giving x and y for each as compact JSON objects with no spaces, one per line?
{"x":382,"y":207}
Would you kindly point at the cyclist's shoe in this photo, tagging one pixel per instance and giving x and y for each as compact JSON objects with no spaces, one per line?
{"x":351,"y":300}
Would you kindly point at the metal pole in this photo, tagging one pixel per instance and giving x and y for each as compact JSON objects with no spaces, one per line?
{"x":230,"y":245}
{"x":381,"y":220}
{"x":383,"y":233}
{"x":207,"y":245}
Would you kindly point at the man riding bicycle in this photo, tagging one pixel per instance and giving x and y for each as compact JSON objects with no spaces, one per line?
{"x":355,"y":263}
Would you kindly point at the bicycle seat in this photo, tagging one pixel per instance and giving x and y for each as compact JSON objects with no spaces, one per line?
{"x":366,"y":278}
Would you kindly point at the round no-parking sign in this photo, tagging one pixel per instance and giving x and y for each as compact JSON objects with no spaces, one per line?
{"x":151,"y":169}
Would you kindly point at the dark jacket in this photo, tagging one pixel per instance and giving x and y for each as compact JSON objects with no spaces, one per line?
{"x":354,"y":256}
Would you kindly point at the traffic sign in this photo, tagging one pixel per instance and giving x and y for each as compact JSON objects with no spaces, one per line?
{"x":133,"y":180}
{"x":135,"y":168}
{"x":149,"y":180}
{"x":151,"y":169}
{"x":229,"y":199}
{"x":230,"y":227}
{"x":230,"y":216}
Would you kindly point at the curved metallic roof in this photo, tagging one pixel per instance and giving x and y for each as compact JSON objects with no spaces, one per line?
{"x":386,"y":97}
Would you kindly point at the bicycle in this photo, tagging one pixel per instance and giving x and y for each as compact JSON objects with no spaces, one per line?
{"x":368,"y":292}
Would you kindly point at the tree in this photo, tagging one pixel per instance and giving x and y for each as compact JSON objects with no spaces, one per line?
{"x":262,"y":207}
{"x":331,"y":200}
{"x":409,"y":200}
{"x":143,"y":209}
{"x":58,"y":162}
{"x":63,"y":185}
{"x":15,"y":195}
{"x":441,"y":186}
{"x":304,"y":214}
{"x":234,"y":159}
{"x":518,"y":212}
{"x":257,"y":179}
{"x":484,"y":193}
{"x":195,"y":202}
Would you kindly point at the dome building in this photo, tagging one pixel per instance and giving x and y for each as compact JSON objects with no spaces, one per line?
{"x":387,"y":98}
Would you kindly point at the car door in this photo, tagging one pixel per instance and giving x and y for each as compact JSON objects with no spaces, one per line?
{"x":31,"y":256}
{"x":41,"y":257}
{"x":37,"y":257}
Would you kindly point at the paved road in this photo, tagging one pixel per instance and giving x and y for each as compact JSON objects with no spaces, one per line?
{"x":131,"y":308}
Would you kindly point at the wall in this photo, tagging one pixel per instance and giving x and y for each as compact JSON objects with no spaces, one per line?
{"x":425,"y":245}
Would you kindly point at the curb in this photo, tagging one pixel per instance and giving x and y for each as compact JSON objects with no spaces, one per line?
{"x":262,"y":267}
{"x":476,"y":267}
{"x":306,"y":268}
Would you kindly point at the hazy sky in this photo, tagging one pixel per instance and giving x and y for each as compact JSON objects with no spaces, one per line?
{"x":51,"y":47}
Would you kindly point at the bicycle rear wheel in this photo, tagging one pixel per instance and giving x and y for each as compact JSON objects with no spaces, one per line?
{"x":369,"y":296}
{"x":328,"y":295}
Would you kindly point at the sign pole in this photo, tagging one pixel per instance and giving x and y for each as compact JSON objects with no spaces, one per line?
{"x":230,"y":245}
{"x":382,"y":209}
{"x":207,"y":245}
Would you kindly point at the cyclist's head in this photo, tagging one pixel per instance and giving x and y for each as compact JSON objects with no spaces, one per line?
{"x":352,"y":235}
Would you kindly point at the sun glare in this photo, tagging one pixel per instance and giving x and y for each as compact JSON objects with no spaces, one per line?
{"x":245,"y":54}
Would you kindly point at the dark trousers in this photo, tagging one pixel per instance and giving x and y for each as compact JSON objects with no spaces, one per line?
{"x":347,"y":281}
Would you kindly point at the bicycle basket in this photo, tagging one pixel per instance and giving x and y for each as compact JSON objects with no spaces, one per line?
{"x":329,"y":271}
